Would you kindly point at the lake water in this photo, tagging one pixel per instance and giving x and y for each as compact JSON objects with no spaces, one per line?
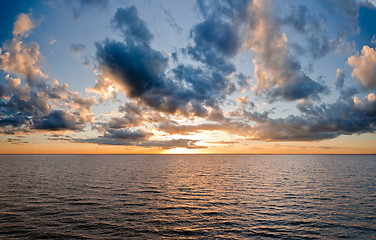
{"x":188,"y":197}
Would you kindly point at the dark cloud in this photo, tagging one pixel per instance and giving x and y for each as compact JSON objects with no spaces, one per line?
{"x":217,"y":39}
{"x":15,"y":120}
{"x":214,"y":42}
{"x":33,"y":108}
{"x":204,"y":83}
{"x":346,"y":116}
{"x":136,"y":68}
{"x":126,"y":134}
{"x":301,"y":87}
{"x":102,"y":141}
{"x":134,"y":28}
{"x":60,"y":120}
{"x":140,"y":71}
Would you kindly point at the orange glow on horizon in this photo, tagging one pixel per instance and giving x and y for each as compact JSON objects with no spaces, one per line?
{"x":181,"y":150}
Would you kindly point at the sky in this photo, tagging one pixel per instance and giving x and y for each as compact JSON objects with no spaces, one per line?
{"x":178,"y":76}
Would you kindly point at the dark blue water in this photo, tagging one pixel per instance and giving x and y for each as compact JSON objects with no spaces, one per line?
{"x":187,"y":197}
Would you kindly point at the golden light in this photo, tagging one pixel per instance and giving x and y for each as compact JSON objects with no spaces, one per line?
{"x":180,"y":150}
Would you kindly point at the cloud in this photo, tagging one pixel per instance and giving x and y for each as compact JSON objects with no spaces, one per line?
{"x":346,"y":116}
{"x":214,"y":41}
{"x":127,"y":21}
{"x":23,"y":25}
{"x":140,"y":71}
{"x":20,"y":59}
{"x":277,"y":74}
{"x":126,"y":134}
{"x":164,"y":144}
{"x":17,"y":140}
{"x":126,"y":137}
{"x":159,"y":91}
{"x":77,"y":48}
{"x":218,"y":38}
{"x":233,"y":27}
{"x":340,"y":75}
{"x":60,"y":120}
{"x":80,"y":6}
{"x":135,"y":68}
{"x":32,"y":105}
{"x":243,"y":81}
{"x":364,"y":67}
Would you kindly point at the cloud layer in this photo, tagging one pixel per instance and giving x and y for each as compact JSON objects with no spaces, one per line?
{"x":247,"y":70}
{"x":35,"y":104}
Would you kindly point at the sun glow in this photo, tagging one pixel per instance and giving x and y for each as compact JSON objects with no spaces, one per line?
{"x":180,"y":150}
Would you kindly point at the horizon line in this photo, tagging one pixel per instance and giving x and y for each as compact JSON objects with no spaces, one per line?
{"x":7,"y":154}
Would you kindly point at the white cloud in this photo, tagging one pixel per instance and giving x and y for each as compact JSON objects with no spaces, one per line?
{"x":364,"y":67}
{"x":22,"y":25}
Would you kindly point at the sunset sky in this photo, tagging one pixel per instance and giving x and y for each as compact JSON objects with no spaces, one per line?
{"x":261,"y":76}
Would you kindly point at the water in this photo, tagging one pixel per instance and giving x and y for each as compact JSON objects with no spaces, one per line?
{"x":187,"y":197}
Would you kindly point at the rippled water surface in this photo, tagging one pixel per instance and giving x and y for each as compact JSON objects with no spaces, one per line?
{"x":187,"y":197}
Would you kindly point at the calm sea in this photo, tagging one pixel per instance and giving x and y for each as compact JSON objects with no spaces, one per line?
{"x":188,"y":197}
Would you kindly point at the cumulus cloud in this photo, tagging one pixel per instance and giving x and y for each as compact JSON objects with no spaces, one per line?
{"x":60,"y":120}
{"x":23,"y":25}
{"x":364,"y":67}
{"x":36,"y":104}
{"x":348,"y":115}
{"x":232,"y":27}
{"x":141,"y":72}
{"x":277,"y":73}
{"x":128,"y":22}
{"x":214,"y":41}
{"x":34,"y":107}
{"x":135,"y":68}
{"x":20,"y":59}
{"x":159,"y":91}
